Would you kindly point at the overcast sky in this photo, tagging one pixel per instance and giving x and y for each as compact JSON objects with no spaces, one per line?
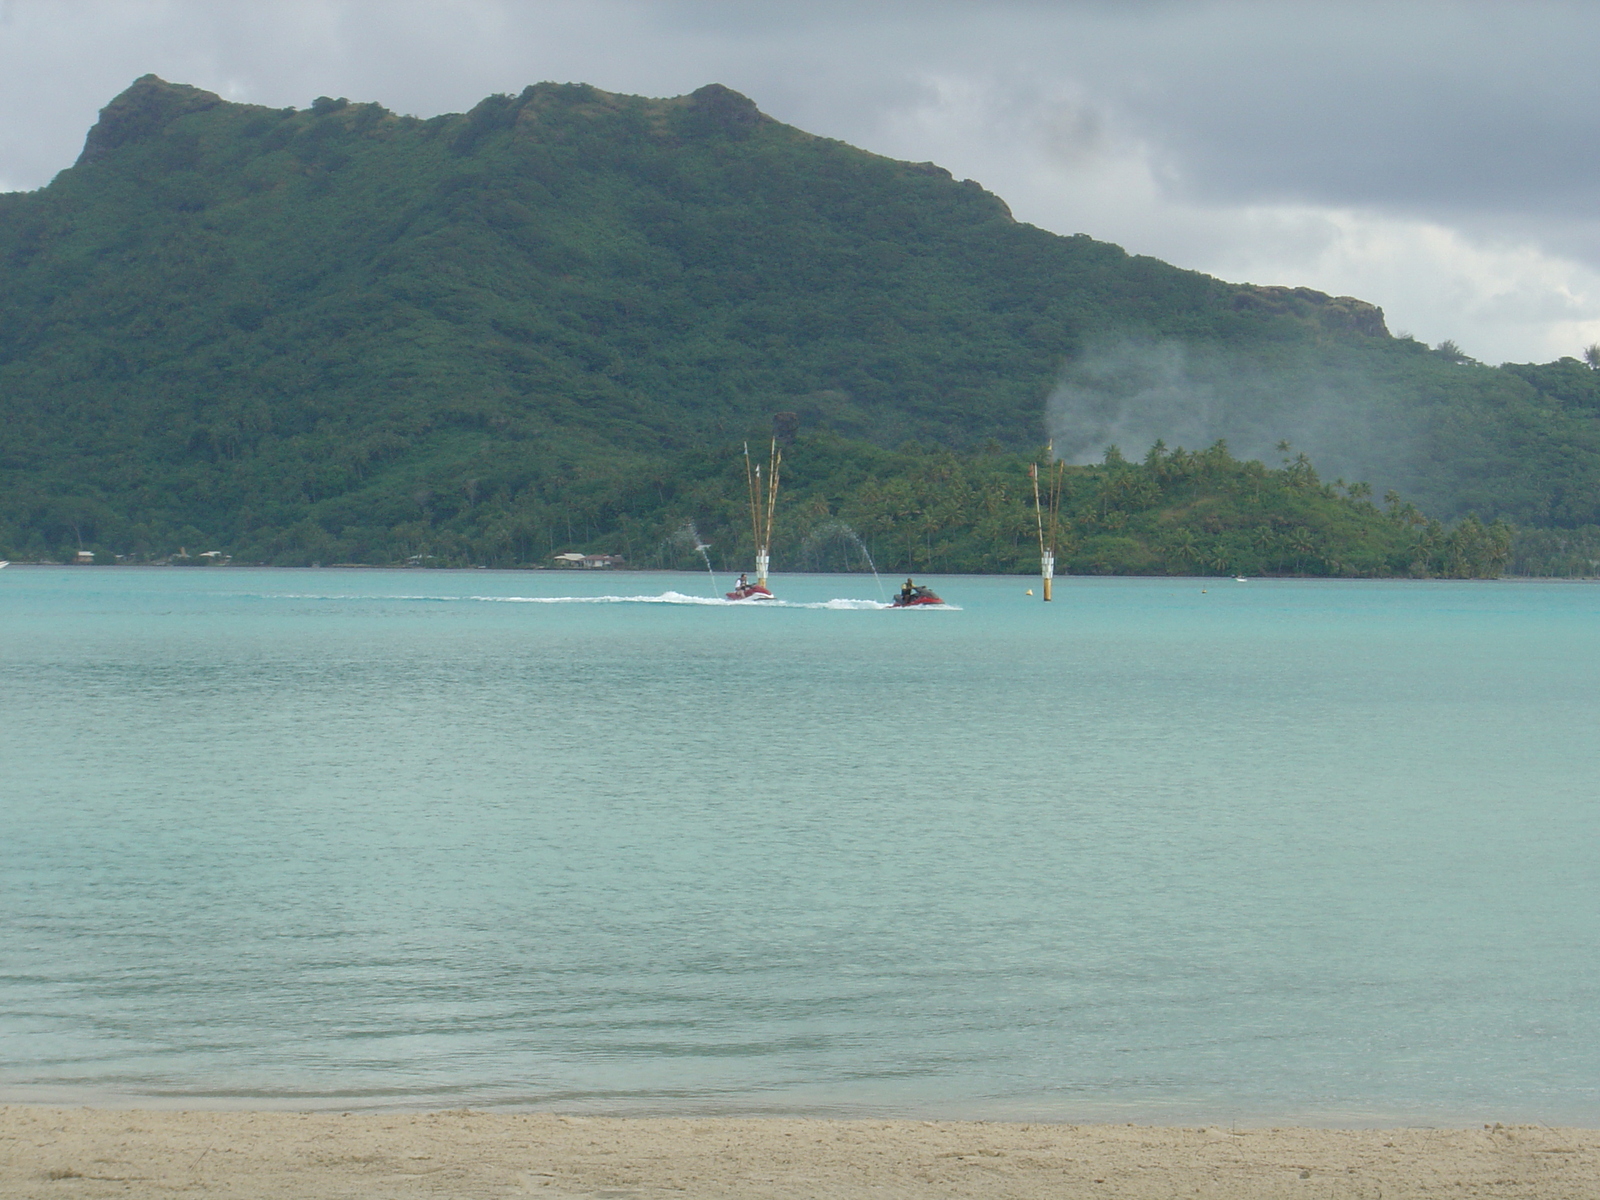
{"x":1438,"y":159}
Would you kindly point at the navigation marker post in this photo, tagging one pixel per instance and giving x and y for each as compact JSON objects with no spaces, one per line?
{"x":1047,"y":547}
{"x":763,"y":504}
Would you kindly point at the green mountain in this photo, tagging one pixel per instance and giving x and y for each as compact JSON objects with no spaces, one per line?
{"x":342,"y":333}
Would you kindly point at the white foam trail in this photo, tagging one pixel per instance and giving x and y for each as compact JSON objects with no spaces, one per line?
{"x":341,"y":596}
{"x":841,"y":604}
{"x":679,"y":598}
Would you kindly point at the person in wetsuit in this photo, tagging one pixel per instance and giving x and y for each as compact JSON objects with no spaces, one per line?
{"x":907,"y":591}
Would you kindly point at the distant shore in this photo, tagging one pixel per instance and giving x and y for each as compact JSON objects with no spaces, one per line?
{"x":1061,"y":577}
{"x":138,"y":1154}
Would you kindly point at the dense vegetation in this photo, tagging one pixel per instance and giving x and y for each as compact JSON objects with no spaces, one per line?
{"x":847,"y":505}
{"x":342,"y":334}
{"x":1175,"y":513}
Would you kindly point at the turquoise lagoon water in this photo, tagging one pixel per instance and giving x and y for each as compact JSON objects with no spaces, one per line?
{"x":1162,"y":850}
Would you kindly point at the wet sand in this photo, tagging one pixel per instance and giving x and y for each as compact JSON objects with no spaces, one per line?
{"x":81,"y":1152}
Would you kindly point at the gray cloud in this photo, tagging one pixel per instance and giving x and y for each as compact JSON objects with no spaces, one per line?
{"x":1435,"y":151}
{"x":1444,"y":107}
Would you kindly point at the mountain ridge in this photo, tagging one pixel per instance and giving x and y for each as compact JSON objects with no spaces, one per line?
{"x":237,"y":320}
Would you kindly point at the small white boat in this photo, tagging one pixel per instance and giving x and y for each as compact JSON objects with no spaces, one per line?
{"x":4,"y":563}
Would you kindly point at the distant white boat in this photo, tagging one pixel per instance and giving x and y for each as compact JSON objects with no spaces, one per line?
{"x":4,"y":563}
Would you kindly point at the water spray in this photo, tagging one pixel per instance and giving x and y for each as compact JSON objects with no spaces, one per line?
{"x":691,"y":534}
{"x":841,"y":529}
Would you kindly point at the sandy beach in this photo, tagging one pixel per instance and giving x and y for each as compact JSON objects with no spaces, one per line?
{"x":81,"y":1152}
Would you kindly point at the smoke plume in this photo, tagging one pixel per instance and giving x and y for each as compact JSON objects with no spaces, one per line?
{"x":1131,"y":393}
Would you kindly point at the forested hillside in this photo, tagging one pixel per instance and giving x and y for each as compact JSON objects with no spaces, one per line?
{"x":296,"y":335}
{"x":922,"y":509}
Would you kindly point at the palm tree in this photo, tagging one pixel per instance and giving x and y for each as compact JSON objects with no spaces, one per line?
{"x":1302,"y":543}
{"x":1591,"y":355}
{"x":1183,"y":545}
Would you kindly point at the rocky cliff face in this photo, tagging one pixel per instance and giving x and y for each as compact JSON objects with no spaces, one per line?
{"x":148,"y":105}
{"x":726,"y":110}
{"x":1343,"y":314}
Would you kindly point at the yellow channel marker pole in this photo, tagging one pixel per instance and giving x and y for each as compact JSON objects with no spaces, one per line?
{"x":1046,"y":566}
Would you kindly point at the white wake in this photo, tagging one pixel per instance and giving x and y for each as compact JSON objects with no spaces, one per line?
{"x":841,"y":604}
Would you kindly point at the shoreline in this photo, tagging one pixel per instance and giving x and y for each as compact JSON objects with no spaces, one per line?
{"x":629,"y":570}
{"x":139,"y":1153}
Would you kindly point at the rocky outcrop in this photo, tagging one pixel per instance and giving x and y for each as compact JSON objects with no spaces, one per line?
{"x":1338,"y":314}
{"x":144,"y":109}
{"x":725,"y":110}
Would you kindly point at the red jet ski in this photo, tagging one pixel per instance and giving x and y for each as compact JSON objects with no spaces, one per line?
{"x":913,"y":596}
{"x":749,"y":591}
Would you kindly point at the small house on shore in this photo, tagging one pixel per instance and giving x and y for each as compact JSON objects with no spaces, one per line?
{"x":587,"y":561}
